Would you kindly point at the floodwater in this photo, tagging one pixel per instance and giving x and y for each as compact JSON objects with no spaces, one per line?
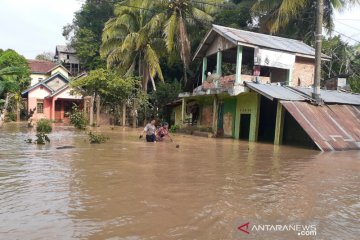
{"x":205,"y":189}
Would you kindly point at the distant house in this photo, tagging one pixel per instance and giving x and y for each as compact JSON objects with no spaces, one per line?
{"x":49,"y":93}
{"x":67,"y":57}
{"x":337,"y":83}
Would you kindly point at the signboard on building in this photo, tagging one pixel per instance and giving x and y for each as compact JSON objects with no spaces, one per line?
{"x":271,"y":58}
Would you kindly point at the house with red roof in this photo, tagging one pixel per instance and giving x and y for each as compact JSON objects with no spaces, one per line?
{"x":49,"y":94}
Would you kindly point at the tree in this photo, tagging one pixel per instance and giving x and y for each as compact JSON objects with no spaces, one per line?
{"x":45,"y":56}
{"x":85,"y":31}
{"x":14,"y":77}
{"x":274,"y":15}
{"x":131,"y":40}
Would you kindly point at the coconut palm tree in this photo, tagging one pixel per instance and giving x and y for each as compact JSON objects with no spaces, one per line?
{"x":181,"y":14}
{"x":131,"y":41}
{"x":276,"y":14}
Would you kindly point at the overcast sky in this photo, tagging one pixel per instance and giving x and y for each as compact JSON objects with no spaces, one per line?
{"x":33,"y":26}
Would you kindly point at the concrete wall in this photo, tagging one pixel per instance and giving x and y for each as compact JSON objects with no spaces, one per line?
{"x":72,"y":58}
{"x":35,"y":78}
{"x":303,"y":72}
{"x":60,"y":70}
{"x":229,"y":117}
{"x":206,"y":112}
{"x":36,"y":94}
{"x":248,"y":103}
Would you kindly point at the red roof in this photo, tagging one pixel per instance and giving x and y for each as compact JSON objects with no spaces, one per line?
{"x":41,"y":66}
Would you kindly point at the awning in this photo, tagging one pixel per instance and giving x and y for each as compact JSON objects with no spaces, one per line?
{"x":331,"y":127}
{"x":275,"y":91}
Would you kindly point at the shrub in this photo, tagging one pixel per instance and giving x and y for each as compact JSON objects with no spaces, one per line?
{"x":174,"y":128}
{"x":10,"y":117}
{"x":77,"y":118}
{"x":97,"y":138}
{"x":42,"y":138}
{"x":43,"y":126}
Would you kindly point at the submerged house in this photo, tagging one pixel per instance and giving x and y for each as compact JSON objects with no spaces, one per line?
{"x":257,"y":87}
{"x":49,"y":95}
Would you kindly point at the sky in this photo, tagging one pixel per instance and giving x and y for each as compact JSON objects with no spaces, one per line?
{"x":31,"y":27}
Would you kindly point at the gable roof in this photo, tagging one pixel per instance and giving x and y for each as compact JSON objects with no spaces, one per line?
{"x":253,"y":39}
{"x":41,"y":66}
{"x":65,"y":49}
{"x":43,"y":83}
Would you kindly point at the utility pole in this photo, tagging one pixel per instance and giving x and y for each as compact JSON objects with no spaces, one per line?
{"x":318,"y":40}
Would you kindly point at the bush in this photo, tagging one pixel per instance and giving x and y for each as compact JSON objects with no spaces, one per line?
{"x":10,"y":117}
{"x":97,"y":138}
{"x":43,"y":126}
{"x":42,"y":138}
{"x":77,"y":118}
{"x":174,"y":128}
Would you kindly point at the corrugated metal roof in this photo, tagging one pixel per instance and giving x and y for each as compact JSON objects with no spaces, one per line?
{"x":333,"y":96}
{"x":268,"y":41}
{"x":331,"y":127}
{"x":275,"y":91}
{"x":66,"y":49}
{"x":254,"y":39}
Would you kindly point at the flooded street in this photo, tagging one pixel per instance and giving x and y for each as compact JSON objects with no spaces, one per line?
{"x":205,"y":189}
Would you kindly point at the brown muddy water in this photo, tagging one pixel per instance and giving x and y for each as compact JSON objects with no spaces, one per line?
{"x":206,"y":189}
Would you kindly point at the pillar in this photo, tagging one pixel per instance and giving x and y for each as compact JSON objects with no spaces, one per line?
{"x":98,"y":110}
{"x":124,"y":114}
{"x":183,"y":110}
{"x":204,"y":68}
{"x":238,"y":65}
{"x":289,"y":77}
{"x":53,"y":109}
{"x":219,"y":63}
{"x":279,"y":125}
{"x":255,"y":118}
{"x":215,"y":115}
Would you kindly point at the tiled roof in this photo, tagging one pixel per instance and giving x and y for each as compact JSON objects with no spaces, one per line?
{"x":41,"y":66}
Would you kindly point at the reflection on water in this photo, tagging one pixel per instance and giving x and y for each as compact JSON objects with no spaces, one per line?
{"x":128,"y":189}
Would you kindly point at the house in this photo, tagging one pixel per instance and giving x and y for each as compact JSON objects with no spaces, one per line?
{"x":337,"y":83}
{"x":249,"y":84}
{"x":66,"y":56}
{"x":49,"y":93}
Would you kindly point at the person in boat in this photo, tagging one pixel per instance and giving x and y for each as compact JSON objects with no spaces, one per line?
{"x":163,"y":132}
{"x":150,"y":131}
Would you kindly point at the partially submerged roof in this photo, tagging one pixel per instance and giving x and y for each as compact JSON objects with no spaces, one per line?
{"x":275,"y":91}
{"x":253,"y":39}
{"x":331,"y":127}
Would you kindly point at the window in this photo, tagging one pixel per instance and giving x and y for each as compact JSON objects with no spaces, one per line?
{"x":40,"y":106}
{"x":40,"y":79}
{"x":67,"y":56}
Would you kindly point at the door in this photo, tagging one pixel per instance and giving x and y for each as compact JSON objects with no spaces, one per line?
{"x":245,"y":126}
{"x":58,"y":110}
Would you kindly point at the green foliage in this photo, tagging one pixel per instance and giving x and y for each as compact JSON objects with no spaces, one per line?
{"x":41,"y":138}
{"x":14,"y":72}
{"x":85,"y":31}
{"x":174,"y":128}
{"x":43,"y":126}
{"x":77,"y":118}
{"x":164,"y":94}
{"x":235,"y":14}
{"x":97,"y":138}
{"x":10,"y":117}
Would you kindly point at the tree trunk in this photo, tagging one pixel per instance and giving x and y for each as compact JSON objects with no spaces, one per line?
{"x":18,"y":110}
{"x":152,"y":81}
{"x":98,"y":110}
{"x":124,"y":114}
{"x":91,"y":122}
{"x":134,"y":114}
{"x":4,"y":111}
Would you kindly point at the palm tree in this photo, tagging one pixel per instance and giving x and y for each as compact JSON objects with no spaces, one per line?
{"x":181,"y":14}
{"x":276,"y":14}
{"x":131,"y":41}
